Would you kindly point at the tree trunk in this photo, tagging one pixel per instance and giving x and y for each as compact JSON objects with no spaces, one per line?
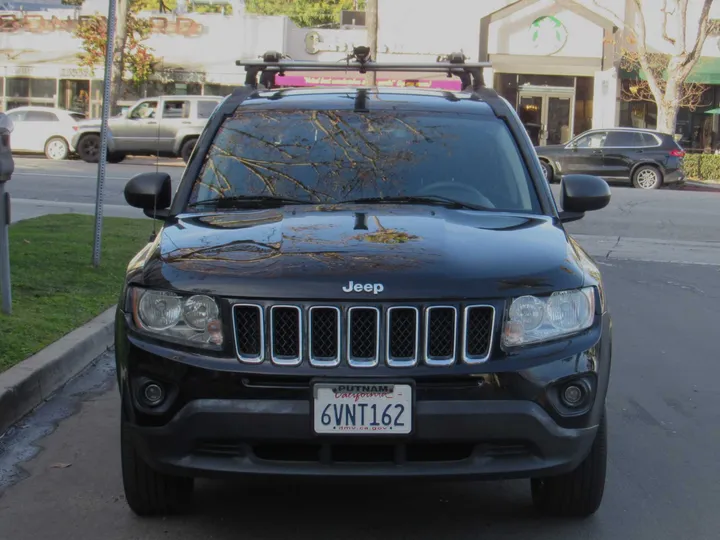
{"x":371,"y":10}
{"x":668,"y":107}
{"x":118,"y":66}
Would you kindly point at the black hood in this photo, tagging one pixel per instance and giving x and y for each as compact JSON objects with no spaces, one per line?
{"x":413,"y":252}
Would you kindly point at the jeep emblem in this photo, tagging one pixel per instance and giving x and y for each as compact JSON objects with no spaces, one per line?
{"x":374,"y":288}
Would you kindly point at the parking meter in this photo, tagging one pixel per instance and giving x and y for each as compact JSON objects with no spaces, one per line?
{"x":7,"y":167}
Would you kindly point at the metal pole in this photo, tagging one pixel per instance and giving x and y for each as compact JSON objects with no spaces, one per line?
{"x":5,"y":289}
{"x":371,"y":11}
{"x":102,"y":161}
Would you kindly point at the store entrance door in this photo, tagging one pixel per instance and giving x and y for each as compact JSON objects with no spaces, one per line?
{"x":547,"y":113}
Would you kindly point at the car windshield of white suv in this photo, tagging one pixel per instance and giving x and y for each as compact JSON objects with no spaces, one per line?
{"x":344,"y":156}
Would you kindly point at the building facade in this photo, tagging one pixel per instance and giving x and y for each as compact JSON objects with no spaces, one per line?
{"x":556,"y":61}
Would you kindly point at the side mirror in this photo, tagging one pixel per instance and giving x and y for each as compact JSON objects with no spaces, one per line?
{"x":580,"y":193}
{"x":152,"y":192}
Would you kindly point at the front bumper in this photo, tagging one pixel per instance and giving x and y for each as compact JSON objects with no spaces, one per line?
{"x":491,"y":425}
{"x":482,"y":440}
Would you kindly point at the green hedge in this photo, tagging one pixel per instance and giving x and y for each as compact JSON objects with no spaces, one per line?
{"x":702,"y":166}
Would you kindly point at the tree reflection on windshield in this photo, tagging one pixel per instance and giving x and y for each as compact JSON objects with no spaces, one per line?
{"x":331,"y":156}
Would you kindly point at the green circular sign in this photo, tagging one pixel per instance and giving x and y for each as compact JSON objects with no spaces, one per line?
{"x":548,"y":35}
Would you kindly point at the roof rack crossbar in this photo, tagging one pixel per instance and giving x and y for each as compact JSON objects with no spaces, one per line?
{"x":274,"y":63}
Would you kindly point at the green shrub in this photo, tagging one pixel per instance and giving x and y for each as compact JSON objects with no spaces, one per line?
{"x":702,"y":166}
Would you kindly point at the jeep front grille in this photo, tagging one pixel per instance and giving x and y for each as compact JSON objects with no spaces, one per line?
{"x":363,"y":336}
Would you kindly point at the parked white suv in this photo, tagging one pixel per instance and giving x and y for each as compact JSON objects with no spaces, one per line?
{"x":44,"y":130}
{"x":165,"y":125}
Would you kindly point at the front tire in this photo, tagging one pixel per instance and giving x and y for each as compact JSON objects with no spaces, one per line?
{"x":57,"y":149}
{"x":647,"y":177}
{"x":579,"y":492}
{"x":89,"y":148}
{"x":547,"y":171}
{"x":187,"y":149}
{"x":148,"y":492}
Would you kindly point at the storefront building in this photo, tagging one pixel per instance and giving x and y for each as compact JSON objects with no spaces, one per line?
{"x":556,"y":61}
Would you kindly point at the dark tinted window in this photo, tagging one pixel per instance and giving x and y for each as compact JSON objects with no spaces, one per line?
{"x":206,"y":108}
{"x":334,"y":156}
{"x":16,"y":116}
{"x":648,"y":140}
{"x":77,"y":116}
{"x":592,"y":140}
{"x":628,"y":139}
{"x":176,"y":109}
{"x":40,"y":116}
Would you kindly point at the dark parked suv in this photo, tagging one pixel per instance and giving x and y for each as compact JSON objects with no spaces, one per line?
{"x":648,"y":159}
{"x":364,"y":283}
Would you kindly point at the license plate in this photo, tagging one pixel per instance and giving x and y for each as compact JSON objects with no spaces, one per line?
{"x":363,"y":408}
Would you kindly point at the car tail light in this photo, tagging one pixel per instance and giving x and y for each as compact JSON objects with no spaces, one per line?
{"x":677,"y":153}
{"x":75,"y":128}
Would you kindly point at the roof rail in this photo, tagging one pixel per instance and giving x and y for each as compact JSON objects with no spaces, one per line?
{"x":274,"y":63}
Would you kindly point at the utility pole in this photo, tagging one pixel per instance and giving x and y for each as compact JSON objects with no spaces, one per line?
{"x":371,"y":15}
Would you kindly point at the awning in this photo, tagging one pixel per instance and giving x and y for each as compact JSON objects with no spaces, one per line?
{"x":706,"y":71}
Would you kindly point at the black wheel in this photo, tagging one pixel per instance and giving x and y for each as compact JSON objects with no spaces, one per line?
{"x":647,"y":177}
{"x":148,"y":492}
{"x":116,"y":157}
{"x":57,"y":149}
{"x":579,"y":492}
{"x":89,"y":148}
{"x":547,"y":171}
{"x":187,"y":149}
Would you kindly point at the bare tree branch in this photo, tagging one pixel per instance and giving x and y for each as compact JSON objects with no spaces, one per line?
{"x":665,"y":35}
{"x":701,"y":35}
{"x":643,"y":53}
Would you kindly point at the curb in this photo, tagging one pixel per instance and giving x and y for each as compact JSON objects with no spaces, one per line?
{"x":27,"y":384}
{"x":701,"y":186}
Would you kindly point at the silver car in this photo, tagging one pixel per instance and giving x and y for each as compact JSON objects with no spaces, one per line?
{"x":165,"y":125}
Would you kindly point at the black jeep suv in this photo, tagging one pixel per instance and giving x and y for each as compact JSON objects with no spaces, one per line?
{"x":362,"y":282}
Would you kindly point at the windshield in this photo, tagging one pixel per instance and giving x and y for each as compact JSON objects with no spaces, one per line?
{"x":336,"y":156}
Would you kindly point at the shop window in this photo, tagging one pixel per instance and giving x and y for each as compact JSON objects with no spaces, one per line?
{"x":546,"y":80}
{"x":22,"y":91}
{"x":505,"y":84}
{"x":584,"y":90}
{"x":75,"y":95}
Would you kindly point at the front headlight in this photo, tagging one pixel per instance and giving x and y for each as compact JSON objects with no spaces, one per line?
{"x":192,"y":319}
{"x":533,"y":319}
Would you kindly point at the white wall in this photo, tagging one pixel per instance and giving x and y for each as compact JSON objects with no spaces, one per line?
{"x":514,"y":34}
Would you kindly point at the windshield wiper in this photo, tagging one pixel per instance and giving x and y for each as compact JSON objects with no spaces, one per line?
{"x":419,"y":199}
{"x":241,"y":201}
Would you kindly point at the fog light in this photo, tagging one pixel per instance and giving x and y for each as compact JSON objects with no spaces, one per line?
{"x":153,"y":394}
{"x":572,"y":395}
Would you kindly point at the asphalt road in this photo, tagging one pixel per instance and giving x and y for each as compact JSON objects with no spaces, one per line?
{"x":41,"y":186}
{"x":664,"y":412}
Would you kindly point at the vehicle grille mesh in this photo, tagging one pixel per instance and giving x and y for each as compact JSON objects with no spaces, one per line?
{"x":362,"y":336}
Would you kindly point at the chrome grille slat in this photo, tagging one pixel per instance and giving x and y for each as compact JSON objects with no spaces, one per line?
{"x":441,"y":331}
{"x":249,"y":326}
{"x":286,"y":335}
{"x":324,"y":336}
{"x":363,"y":336}
{"x":436,"y":335}
{"x":479,"y":326}
{"x":402,"y":336}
